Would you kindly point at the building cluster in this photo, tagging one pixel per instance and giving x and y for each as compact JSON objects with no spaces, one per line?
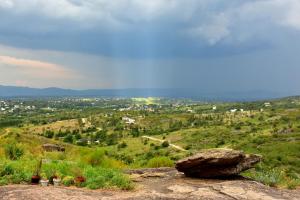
{"x":11,"y":107}
{"x":128,"y":120}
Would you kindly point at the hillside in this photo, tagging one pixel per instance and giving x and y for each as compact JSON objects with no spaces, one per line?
{"x":13,"y":91}
{"x":103,"y":137}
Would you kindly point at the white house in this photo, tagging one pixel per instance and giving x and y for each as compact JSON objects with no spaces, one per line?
{"x":267,"y":104}
{"x":84,"y":120}
{"x":128,"y":120}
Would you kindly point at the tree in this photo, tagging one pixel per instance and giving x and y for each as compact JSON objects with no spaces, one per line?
{"x":135,"y":132}
{"x":49,"y":134}
{"x":101,"y":135}
{"x":68,"y":138}
{"x":112,"y":139}
{"x":165,"y":144}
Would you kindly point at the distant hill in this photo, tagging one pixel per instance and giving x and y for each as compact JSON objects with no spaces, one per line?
{"x":14,"y":91}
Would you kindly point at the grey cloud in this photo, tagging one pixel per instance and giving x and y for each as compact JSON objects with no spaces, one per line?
{"x":211,"y":21}
{"x":202,"y":44}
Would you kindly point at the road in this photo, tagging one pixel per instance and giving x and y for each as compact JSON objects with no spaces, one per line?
{"x":161,"y":141}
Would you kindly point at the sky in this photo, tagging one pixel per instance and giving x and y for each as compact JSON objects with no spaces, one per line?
{"x":206,"y":45}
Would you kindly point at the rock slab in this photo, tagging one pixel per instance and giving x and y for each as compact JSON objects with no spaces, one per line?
{"x":171,"y":186}
{"x":217,"y":163}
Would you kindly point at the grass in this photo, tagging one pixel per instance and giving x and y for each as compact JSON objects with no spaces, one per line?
{"x":106,"y":178}
{"x":99,"y":170}
{"x":160,"y":162}
{"x":271,"y":178}
{"x":16,"y":172}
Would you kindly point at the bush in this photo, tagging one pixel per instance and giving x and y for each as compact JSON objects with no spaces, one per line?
{"x":96,"y":183}
{"x":259,"y":140}
{"x":68,"y":181}
{"x":96,"y":157}
{"x":160,"y":162}
{"x":82,"y":142}
{"x":13,"y":151}
{"x":122,"y":145}
{"x":105,"y":178}
{"x":15,"y":173}
{"x":7,"y":169}
{"x":165,"y":144}
{"x":49,"y":170}
{"x":122,"y":182}
{"x":68,"y":138}
{"x":293,"y":184}
{"x":268,"y":177}
{"x":49,"y":134}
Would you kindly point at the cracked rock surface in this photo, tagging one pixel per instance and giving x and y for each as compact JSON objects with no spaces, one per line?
{"x":156,"y":184}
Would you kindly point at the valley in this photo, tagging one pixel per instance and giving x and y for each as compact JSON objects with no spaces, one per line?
{"x":102,"y":137}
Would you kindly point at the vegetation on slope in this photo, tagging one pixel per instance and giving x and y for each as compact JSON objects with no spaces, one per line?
{"x":99,"y":140}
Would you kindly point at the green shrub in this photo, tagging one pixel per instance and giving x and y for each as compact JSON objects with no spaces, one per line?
{"x":122,"y":182}
{"x":271,"y":178}
{"x":68,"y":138}
{"x":6,"y":169}
{"x":15,"y":172}
{"x":96,"y":182}
{"x":160,"y":162}
{"x":56,"y":155}
{"x":293,"y":184}
{"x":68,"y":181}
{"x":96,"y":157}
{"x":122,"y":145}
{"x":49,"y":170}
{"x":82,"y":142}
{"x":165,"y":144}
{"x":64,"y":168}
{"x":259,"y":140}
{"x":13,"y":151}
{"x":3,"y":181}
{"x":19,"y":177}
{"x":98,"y":177}
{"x":49,"y":134}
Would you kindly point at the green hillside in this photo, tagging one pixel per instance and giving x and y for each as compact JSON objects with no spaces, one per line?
{"x":104,"y":137}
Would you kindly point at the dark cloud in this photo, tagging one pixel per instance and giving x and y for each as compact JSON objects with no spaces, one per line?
{"x":208,"y":45}
{"x":156,"y":28}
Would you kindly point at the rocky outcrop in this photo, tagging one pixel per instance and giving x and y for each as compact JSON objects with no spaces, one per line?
{"x":169,"y":185}
{"x":53,"y":147}
{"x":214,"y":163}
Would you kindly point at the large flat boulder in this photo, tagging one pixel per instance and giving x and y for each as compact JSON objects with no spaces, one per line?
{"x":215,"y":163}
